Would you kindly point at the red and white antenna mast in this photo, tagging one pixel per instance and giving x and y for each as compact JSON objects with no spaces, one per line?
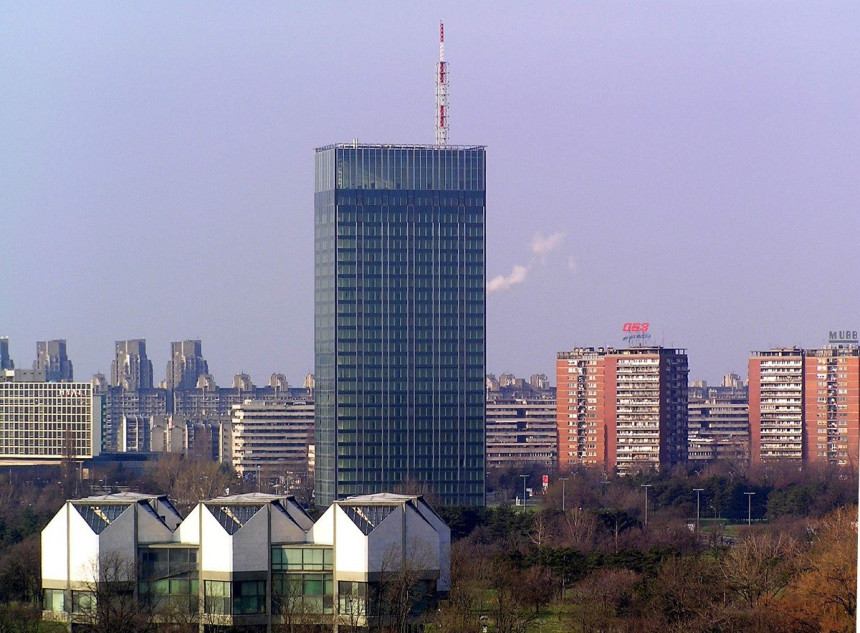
{"x":442,"y":92}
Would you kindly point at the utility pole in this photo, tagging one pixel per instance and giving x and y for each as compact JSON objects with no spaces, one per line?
{"x":697,"y":491}
{"x":646,"y":486}
{"x":749,"y":507}
{"x":525,"y":502}
{"x":563,"y":480}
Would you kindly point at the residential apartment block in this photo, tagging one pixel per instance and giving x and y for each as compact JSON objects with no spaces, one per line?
{"x":268,"y":439}
{"x":51,"y":358}
{"x":805,"y":405}
{"x":521,"y":432}
{"x":622,"y":408}
{"x":718,"y":429}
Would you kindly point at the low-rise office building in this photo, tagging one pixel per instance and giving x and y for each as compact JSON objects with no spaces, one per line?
{"x":43,"y":422}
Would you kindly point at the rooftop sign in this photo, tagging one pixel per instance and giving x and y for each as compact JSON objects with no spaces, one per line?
{"x":837,"y":337}
{"x":636,"y":332}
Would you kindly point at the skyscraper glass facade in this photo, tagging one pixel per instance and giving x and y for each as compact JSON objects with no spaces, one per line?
{"x":400,"y":340}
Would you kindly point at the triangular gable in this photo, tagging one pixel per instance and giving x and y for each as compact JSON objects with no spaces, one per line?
{"x":233,"y":517}
{"x":99,"y":516}
{"x":367,"y":517}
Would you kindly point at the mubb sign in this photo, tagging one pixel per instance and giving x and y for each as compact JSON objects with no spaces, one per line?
{"x":842,"y":336}
{"x":636,"y":332}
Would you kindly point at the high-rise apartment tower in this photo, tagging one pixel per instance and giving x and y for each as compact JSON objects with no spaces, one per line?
{"x":622,"y":408}
{"x":186,"y":365}
{"x":6,"y":361}
{"x":51,"y":358}
{"x":400,"y":320}
{"x":131,"y":369}
{"x":805,"y":405}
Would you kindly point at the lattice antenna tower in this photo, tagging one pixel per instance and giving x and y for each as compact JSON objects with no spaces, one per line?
{"x":442,"y":92}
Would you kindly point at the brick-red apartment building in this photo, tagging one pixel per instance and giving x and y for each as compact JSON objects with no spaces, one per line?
{"x":805,"y":405}
{"x":622,"y":408}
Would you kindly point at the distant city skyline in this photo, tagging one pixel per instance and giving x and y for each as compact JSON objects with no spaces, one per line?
{"x":692,"y":166}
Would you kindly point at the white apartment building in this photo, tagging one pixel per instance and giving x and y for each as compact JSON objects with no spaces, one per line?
{"x":267,"y":439}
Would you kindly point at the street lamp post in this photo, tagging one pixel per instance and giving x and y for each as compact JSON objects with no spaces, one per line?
{"x":646,"y":486}
{"x":749,"y":507}
{"x":697,"y":491}
{"x":562,"y":480}
{"x":525,"y":502}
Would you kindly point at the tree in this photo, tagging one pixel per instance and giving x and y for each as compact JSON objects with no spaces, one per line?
{"x":507,"y":609}
{"x":20,"y":618}
{"x":403,"y":585}
{"x":108,"y":603}
{"x":290,"y":613}
{"x":188,"y":480}
{"x":759,"y":567}
{"x":824,"y":595}
{"x":599,"y":599}
{"x":686,"y":591}
{"x":20,"y":580}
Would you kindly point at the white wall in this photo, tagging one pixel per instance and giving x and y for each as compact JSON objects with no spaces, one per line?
{"x":54,"y":547}
{"x":150,"y":529}
{"x":84,"y":553}
{"x":217,"y":546}
{"x":285,"y":530}
{"x":350,"y":544}
{"x":322,"y":532}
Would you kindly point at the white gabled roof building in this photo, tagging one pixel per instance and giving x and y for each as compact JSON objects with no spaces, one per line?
{"x":88,"y":532}
{"x":245,"y":560}
{"x":376,"y":534}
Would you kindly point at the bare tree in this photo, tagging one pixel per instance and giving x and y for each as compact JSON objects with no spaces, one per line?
{"x":508,"y":611}
{"x":597,"y":599}
{"x":760,"y":566}
{"x":290,"y":612}
{"x":107,"y":603}
{"x":19,"y":618}
{"x":404,"y":584}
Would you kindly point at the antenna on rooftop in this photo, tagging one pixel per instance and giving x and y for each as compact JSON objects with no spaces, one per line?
{"x":442,"y":92}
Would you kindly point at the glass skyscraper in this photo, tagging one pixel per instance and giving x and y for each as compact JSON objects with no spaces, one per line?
{"x":400,"y":318}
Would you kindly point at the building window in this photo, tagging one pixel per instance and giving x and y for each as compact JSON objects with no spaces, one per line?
{"x":352,"y":598}
{"x":294,"y":593}
{"x":249,"y":597}
{"x":54,"y":600}
{"x":301,"y":558}
{"x":217,"y":597}
{"x":237,"y":598}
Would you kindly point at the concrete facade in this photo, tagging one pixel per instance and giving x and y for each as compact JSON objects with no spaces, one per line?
{"x":48,"y":421}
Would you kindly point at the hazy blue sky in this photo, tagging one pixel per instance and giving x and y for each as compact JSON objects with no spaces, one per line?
{"x":690,"y":164}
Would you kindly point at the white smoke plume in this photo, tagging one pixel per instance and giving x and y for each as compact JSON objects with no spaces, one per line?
{"x":543,"y":246}
{"x":502,"y":282}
